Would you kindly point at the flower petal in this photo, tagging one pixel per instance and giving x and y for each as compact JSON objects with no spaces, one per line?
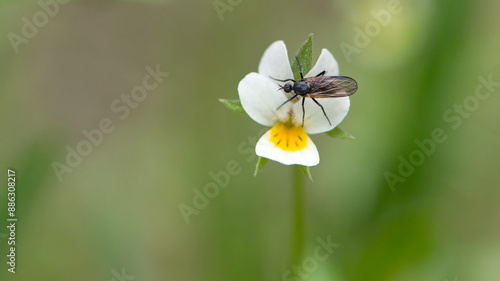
{"x":315,"y":121}
{"x":306,"y":156}
{"x":275,"y":62}
{"x":326,"y":62}
{"x":260,"y":98}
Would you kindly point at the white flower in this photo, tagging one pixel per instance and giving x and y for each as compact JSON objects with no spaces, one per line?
{"x":287,"y":141}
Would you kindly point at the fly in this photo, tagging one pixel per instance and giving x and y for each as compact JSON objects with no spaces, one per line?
{"x":317,"y":87}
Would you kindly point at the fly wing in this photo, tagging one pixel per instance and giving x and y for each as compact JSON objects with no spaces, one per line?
{"x":331,"y":86}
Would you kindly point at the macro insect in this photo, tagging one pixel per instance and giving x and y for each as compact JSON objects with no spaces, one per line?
{"x":316,"y":87}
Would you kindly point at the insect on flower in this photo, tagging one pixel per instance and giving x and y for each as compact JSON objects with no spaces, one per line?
{"x":317,"y":87}
{"x":268,"y":103}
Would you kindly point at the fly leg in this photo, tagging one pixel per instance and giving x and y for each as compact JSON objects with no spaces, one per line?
{"x":287,"y":101}
{"x":321,"y":73}
{"x":321,"y":109}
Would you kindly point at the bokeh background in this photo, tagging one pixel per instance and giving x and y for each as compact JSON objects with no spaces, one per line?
{"x":118,"y":210}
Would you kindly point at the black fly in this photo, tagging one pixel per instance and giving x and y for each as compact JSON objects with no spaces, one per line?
{"x":317,"y":87}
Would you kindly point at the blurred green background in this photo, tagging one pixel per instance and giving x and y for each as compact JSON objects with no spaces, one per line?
{"x":118,"y":210}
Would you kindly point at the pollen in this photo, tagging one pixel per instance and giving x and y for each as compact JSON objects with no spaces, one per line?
{"x":289,"y":138}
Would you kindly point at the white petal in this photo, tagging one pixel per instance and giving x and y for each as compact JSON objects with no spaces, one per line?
{"x":260,"y":98}
{"x":315,"y":121}
{"x":307,"y":156}
{"x":325,"y":62}
{"x":275,"y":62}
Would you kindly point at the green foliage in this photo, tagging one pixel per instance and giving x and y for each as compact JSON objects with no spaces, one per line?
{"x":261,"y":162}
{"x":304,"y":55}
{"x":307,"y":172}
{"x":339,"y":134}
{"x":234,"y":105}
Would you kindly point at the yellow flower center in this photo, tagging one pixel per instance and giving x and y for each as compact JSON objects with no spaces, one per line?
{"x":289,"y":138}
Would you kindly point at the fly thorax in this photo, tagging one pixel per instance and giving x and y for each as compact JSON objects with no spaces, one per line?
{"x":301,"y":88}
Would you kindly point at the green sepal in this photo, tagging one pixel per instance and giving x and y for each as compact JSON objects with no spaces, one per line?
{"x":234,"y":105}
{"x":306,"y":171}
{"x":305,"y":58}
{"x":340,"y":134}
{"x":261,"y":162}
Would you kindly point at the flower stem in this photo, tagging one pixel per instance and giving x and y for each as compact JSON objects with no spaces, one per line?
{"x":298,"y":237}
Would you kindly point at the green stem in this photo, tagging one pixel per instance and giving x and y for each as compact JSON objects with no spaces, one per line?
{"x":298,"y":236}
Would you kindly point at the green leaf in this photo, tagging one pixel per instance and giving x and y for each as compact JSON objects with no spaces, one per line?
{"x":307,"y":172}
{"x":340,"y":134}
{"x":260,"y":164}
{"x":304,"y":55}
{"x":234,"y":105}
